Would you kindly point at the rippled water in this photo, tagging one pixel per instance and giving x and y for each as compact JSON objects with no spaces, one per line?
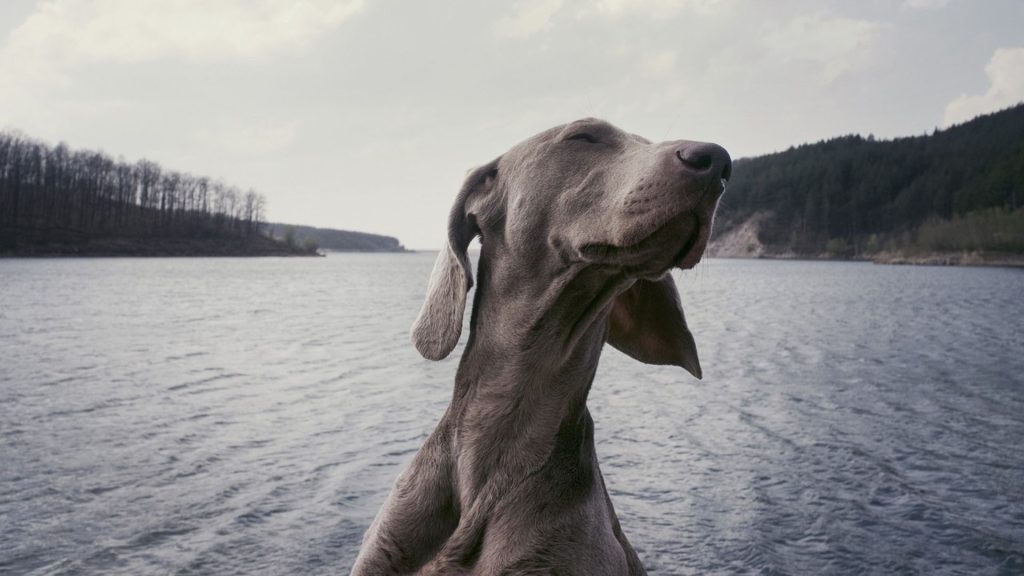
{"x":247,"y":416}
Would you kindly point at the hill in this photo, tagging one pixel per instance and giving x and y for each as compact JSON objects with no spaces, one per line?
{"x":331,"y":239}
{"x":953,"y":196}
{"x":59,"y":201}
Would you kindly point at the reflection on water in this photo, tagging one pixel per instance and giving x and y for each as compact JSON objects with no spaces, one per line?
{"x":248,"y":416}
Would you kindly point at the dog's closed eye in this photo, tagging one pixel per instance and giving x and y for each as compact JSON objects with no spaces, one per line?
{"x":583,"y":136}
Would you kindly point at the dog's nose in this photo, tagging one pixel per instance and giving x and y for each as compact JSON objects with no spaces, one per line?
{"x":704,"y":158}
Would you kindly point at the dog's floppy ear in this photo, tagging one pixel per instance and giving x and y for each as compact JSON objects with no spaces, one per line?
{"x":647,"y":323}
{"x":439,"y":325}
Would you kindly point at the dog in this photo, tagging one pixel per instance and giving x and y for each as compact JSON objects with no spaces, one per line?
{"x":579,"y":227}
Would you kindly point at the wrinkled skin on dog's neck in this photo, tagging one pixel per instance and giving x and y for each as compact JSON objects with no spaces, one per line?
{"x":527,"y":375}
{"x":518,"y":416}
{"x":579,"y":226}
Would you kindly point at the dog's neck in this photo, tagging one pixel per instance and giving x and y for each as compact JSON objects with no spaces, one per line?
{"x":522,"y":385}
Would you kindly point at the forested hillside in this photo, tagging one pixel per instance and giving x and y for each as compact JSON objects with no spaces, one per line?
{"x":960,"y":189}
{"x":331,"y":239}
{"x":54,"y":200}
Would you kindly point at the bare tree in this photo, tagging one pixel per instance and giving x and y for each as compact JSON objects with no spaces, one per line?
{"x":55,"y":190}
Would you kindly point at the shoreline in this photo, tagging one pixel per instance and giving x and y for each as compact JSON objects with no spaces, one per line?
{"x":963,"y":259}
{"x":156,"y":248}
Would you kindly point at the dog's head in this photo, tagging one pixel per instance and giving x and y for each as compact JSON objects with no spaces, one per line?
{"x":588,"y":195}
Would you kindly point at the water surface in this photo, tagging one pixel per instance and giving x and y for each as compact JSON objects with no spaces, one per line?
{"x":216,"y":416}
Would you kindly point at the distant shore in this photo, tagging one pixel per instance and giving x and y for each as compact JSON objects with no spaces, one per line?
{"x":951,"y":259}
{"x":158,"y":247}
{"x":743,"y":241}
{"x":979,"y":259}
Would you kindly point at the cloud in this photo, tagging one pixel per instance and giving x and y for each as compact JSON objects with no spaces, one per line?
{"x":62,"y":34}
{"x":48,"y":53}
{"x":658,"y":9}
{"x":528,"y":18}
{"x":1005,"y":72}
{"x":836,"y":46}
{"x":248,"y":138}
{"x":133,"y":31}
{"x":660,"y":64}
{"x":924,"y":4}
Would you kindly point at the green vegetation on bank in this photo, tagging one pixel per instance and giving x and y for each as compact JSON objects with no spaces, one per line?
{"x":956,"y":190}
{"x":992,"y":229}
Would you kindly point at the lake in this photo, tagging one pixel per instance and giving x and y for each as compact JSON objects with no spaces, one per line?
{"x":248,"y":416}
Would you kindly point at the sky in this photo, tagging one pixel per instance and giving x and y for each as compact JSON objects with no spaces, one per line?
{"x":367,"y":114}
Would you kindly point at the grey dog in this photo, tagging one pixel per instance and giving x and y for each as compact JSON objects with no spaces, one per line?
{"x":579,"y":227}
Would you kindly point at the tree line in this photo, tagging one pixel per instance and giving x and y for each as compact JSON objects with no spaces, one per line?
{"x":333,"y":239}
{"x":852,"y":194}
{"x":56,"y":193}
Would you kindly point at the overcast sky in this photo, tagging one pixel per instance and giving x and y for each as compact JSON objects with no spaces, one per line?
{"x":366,"y":114}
